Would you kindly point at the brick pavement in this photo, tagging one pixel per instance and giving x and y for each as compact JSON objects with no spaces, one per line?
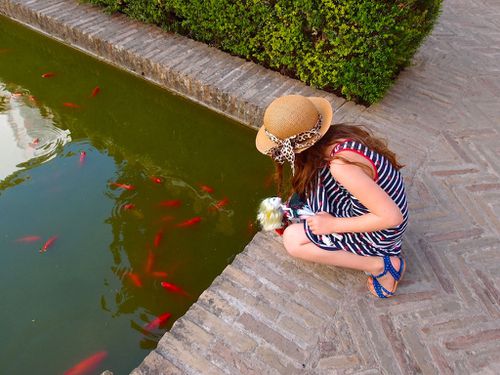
{"x":270,"y":314}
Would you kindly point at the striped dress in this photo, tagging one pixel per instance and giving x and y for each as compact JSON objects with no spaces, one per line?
{"x":331,"y":197}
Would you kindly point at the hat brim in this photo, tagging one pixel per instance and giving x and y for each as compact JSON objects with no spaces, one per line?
{"x":264,"y":144}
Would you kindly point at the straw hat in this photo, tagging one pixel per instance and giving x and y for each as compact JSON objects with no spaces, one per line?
{"x":294,"y":116}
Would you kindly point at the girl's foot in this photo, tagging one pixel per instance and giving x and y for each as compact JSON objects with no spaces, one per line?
{"x":384,"y":282}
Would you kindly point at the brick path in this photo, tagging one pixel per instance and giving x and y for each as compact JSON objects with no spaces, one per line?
{"x":270,"y":314}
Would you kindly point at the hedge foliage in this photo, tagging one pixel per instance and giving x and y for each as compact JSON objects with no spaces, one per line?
{"x":354,"y":48}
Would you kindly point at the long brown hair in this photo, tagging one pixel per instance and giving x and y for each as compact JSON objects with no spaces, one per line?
{"x":309,"y":161}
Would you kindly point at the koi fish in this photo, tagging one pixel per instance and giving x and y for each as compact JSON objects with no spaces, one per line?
{"x":36,"y":141}
{"x":190,"y":222}
{"x":171,"y":203}
{"x":220,"y":204}
{"x":87,"y":365}
{"x":2,"y":50}
{"x":48,"y":244}
{"x":48,"y":75}
{"x":158,"y":322}
{"x":129,"y":206}
{"x":95,"y":91}
{"x":156,"y":180}
{"x":173,"y":288}
{"x":28,"y":239}
{"x":150,"y":261}
{"x":161,"y":274}
{"x":158,"y":238}
{"x":207,"y":189}
{"x":123,"y":186}
{"x":135,"y":279}
{"x":71,"y":105}
{"x":83,"y":155}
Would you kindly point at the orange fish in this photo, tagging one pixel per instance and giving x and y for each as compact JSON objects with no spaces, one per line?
{"x":129,"y":206}
{"x":156,"y":180}
{"x":48,"y":75}
{"x":83,"y":155}
{"x":2,"y":50}
{"x":48,"y":244}
{"x":27,"y":239}
{"x":36,"y":141}
{"x":88,"y":365}
{"x":150,"y":261}
{"x":123,"y":186}
{"x":190,"y":222}
{"x":207,"y":189}
{"x":95,"y":91}
{"x":171,"y":203}
{"x":158,"y":322}
{"x":135,"y":279}
{"x":71,"y":105}
{"x":158,"y":238}
{"x":220,"y":204}
{"x":173,"y":288}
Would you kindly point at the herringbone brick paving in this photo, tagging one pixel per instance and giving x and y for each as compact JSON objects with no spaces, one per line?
{"x":270,"y":314}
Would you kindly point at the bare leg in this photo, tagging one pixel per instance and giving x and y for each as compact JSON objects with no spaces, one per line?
{"x":298,"y":245}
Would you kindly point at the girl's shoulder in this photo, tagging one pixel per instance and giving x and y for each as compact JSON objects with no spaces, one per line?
{"x":353,"y":153}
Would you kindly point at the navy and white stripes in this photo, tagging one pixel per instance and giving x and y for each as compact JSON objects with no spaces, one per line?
{"x":330,"y":196}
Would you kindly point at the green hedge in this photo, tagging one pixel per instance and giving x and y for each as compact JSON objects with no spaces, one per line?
{"x":354,"y":48}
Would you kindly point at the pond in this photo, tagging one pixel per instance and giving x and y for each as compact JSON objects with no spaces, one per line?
{"x":119,"y":203}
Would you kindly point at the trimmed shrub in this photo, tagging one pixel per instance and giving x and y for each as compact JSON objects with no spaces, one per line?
{"x":354,"y":48}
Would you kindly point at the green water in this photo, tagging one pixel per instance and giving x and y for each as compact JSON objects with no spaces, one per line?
{"x":77,"y":298}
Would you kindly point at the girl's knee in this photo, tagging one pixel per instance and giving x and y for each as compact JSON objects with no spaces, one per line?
{"x":292,"y":239}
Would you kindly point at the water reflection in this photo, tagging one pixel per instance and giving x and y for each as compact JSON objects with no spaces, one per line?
{"x":27,"y":134}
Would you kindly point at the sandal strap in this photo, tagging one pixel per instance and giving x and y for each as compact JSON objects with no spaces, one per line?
{"x":395,"y":274}
{"x":387,"y":263}
{"x":380,"y":290}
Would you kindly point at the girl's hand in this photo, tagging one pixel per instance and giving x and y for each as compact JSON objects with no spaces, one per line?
{"x":321,"y":223}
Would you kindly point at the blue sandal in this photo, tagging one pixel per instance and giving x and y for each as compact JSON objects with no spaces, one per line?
{"x":378,"y":290}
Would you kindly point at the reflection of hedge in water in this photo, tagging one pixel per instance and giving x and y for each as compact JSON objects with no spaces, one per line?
{"x":351,"y":47}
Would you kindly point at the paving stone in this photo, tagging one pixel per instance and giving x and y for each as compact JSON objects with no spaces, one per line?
{"x":185,"y":330}
{"x":237,"y":339}
{"x":178,"y":353}
{"x":155,"y":364}
{"x":255,"y":302}
{"x":234,"y":363}
{"x":216,"y":304}
{"x":278,"y":341}
{"x":277,"y":363}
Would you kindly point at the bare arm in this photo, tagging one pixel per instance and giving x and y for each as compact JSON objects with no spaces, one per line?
{"x":384,"y":213}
